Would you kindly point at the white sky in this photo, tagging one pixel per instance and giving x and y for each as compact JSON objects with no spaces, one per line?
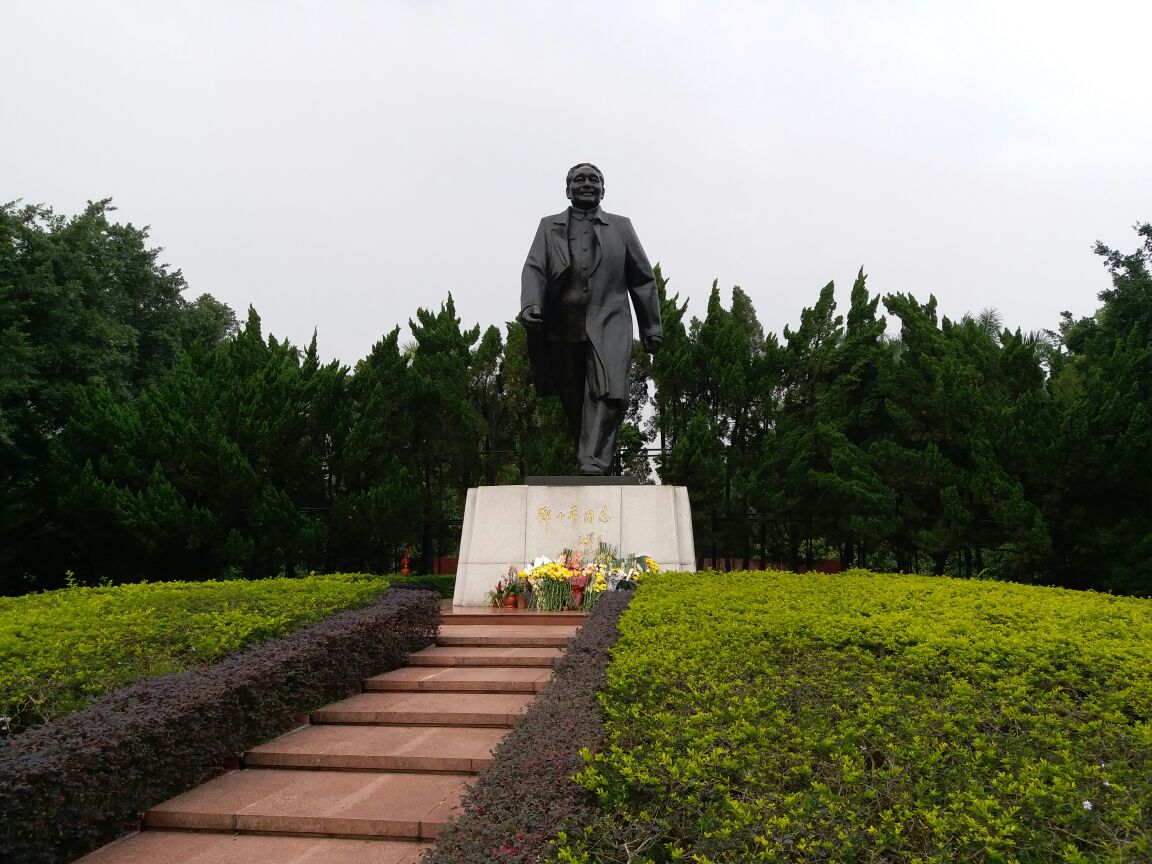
{"x":339,"y":164}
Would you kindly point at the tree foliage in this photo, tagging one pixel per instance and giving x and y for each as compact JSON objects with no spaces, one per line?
{"x":1102,"y":383}
{"x":145,"y":436}
{"x":84,"y":302}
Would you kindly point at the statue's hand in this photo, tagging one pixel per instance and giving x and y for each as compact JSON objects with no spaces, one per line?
{"x":532,"y":317}
{"x":651,"y":343}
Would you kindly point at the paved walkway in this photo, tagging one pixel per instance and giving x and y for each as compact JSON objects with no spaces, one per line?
{"x":371,"y":779}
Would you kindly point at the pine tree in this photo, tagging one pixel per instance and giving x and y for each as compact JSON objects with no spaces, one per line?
{"x":1102,"y":384}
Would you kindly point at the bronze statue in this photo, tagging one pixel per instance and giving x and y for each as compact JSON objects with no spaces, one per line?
{"x":583,"y":266}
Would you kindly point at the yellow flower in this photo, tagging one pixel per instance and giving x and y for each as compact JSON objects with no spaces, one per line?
{"x":550,"y":570}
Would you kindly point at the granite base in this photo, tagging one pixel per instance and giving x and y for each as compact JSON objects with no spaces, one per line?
{"x":511,"y":525}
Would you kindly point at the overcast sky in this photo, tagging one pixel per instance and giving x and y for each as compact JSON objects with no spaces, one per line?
{"x":339,"y":164}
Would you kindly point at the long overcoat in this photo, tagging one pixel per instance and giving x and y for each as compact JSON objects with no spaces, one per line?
{"x":620,"y":270}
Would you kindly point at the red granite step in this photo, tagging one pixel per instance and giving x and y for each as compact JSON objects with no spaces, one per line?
{"x":182,"y":847}
{"x":422,"y":709}
{"x":380,"y":773}
{"x":508,"y":635}
{"x":474,"y":615}
{"x":380,"y":748}
{"x":489,"y":655}
{"x":511,"y":679}
{"x":343,"y":803}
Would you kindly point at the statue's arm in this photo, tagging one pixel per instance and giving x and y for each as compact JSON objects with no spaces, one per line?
{"x":534,"y":278}
{"x":641,"y":283}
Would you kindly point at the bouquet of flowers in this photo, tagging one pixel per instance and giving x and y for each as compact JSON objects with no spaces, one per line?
{"x":576,"y":581}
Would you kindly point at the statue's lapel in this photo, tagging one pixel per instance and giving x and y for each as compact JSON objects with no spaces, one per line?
{"x":560,"y":244}
{"x":598,"y":253}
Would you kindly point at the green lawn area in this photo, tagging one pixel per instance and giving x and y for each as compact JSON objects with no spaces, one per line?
{"x":866,"y":718}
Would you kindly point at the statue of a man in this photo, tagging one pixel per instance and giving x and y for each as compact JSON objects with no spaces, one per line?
{"x":583,"y":266}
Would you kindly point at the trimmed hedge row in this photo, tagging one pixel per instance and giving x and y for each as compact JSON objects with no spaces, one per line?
{"x":63,"y":650}
{"x":72,"y":785}
{"x":444,"y":584}
{"x":520,"y":802}
{"x":773,"y":717}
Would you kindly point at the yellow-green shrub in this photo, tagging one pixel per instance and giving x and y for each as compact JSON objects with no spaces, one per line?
{"x":858,"y":717}
{"x":61,"y":649}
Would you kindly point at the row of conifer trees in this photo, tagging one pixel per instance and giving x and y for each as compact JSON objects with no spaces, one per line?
{"x":146,"y":436}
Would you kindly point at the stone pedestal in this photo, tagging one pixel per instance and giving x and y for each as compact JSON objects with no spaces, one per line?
{"x":511,"y":525}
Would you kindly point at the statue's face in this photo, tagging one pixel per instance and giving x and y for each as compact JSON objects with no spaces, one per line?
{"x":585,"y":189}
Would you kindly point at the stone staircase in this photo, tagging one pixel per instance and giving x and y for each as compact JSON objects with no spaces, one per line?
{"x":370,"y":779}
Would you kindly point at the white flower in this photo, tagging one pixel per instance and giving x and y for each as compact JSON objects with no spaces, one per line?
{"x":1087,"y":805}
{"x":540,"y":562}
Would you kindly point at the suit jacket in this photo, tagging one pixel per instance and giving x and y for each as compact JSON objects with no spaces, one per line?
{"x":620,"y":271}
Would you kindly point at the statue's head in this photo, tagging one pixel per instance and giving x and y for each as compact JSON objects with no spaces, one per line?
{"x":584,"y":186}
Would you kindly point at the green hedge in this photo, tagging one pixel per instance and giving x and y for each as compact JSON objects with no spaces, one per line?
{"x":444,"y":584}
{"x":74,"y":784}
{"x":63,"y":649}
{"x":857,"y":717}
